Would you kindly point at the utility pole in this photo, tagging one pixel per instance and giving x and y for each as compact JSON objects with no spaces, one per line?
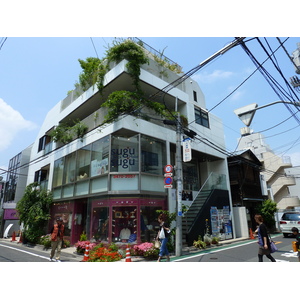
{"x":178,"y":244}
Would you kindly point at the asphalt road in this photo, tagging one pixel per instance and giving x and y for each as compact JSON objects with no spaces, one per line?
{"x":20,"y":253}
{"x":245,"y":251}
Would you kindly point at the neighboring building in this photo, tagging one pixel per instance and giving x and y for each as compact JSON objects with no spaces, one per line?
{"x":275,"y":170}
{"x":248,"y":188}
{"x":15,"y":185}
{"x":110,"y":182}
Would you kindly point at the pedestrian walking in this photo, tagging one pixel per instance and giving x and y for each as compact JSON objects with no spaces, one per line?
{"x":263,"y":240}
{"x":163,"y":235}
{"x":296,"y":233}
{"x":57,"y":235}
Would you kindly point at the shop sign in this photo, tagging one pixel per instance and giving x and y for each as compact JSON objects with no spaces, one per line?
{"x":187,"y":150}
{"x":125,"y":176}
{"x":11,"y":214}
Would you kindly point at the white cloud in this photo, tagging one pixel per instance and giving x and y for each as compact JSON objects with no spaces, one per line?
{"x":11,"y":123}
{"x":205,"y":77}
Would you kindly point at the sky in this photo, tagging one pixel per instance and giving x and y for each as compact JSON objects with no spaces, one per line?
{"x":37,"y":72}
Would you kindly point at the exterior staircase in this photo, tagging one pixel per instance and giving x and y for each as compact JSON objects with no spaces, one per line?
{"x":191,"y":214}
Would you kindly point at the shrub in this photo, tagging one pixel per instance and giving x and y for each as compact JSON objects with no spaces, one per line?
{"x":146,"y":250}
{"x":81,"y":245}
{"x":45,"y":240}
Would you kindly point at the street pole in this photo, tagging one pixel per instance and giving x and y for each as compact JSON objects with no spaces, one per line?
{"x":178,"y":244}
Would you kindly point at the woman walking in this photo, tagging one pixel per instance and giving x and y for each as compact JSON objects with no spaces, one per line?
{"x":263,"y":240}
{"x":163,"y":235}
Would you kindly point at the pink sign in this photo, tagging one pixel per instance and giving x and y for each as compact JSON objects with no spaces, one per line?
{"x":11,"y":214}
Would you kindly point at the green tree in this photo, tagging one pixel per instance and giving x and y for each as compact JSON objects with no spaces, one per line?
{"x":33,"y":209}
{"x":267,"y":210}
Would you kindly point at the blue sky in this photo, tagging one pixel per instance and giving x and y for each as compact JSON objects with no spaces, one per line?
{"x":36,"y":73}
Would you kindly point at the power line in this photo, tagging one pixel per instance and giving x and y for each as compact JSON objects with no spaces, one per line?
{"x":2,"y":41}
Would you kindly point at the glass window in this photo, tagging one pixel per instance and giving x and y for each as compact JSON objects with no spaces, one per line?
{"x":149,"y":224}
{"x":124,"y":153}
{"x":201,"y":117}
{"x":99,"y":160}
{"x":99,"y":223}
{"x":190,"y":176}
{"x":124,"y":224}
{"x":83,"y":162}
{"x":69,"y":169}
{"x":153,"y":155}
{"x":58,"y":172}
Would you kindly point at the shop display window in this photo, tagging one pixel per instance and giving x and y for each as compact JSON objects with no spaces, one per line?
{"x":83,"y":163}
{"x":124,"y":224}
{"x":149,"y":223}
{"x":153,"y":155}
{"x":100,"y":225}
{"x":58,"y":172}
{"x":99,"y":159}
{"x":125,"y":153}
{"x":69,"y":168}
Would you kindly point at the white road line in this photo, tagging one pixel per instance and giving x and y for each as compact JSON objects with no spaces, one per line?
{"x":214,"y":251}
{"x":44,"y":257}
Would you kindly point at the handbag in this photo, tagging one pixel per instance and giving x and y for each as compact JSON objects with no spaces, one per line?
{"x":273,"y":247}
{"x":162,"y":234}
{"x":157,"y":244}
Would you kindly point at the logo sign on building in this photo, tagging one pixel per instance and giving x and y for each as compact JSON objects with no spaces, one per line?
{"x":187,"y":150}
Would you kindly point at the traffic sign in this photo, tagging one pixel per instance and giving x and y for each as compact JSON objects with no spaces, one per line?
{"x":168,"y":180}
{"x":168,"y":169}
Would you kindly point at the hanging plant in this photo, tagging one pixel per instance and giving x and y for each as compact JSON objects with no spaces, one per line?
{"x":132,"y":52}
{"x":65,"y":134}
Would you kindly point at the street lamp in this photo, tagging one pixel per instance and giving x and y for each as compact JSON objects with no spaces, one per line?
{"x":246,"y":113}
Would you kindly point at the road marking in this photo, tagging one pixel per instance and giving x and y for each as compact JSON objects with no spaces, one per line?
{"x":290,"y":254}
{"x":213,"y":251}
{"x":279,"y":260}
{"x":44,"y":257}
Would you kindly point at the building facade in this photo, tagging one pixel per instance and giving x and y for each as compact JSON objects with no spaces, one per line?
{"x":275,"y":170}
{"x":109,"y":182}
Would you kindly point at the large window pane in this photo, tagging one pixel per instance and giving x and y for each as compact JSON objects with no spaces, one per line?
{"x":124,"y":153}
{"x":83,"y":162}
{"x":58,"y":172}
{"x":99,"y":160}
{"x":70,"y":167}
{"x":153,"y":155}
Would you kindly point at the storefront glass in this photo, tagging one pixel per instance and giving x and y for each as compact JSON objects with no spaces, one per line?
{"x":99,"y":160}
{"x":58,"y":172}
{"x":149,"y":223}
{"x":99,"y":223}
{"x":153,"y":155}
{"x":125,"y":153}
{"x":70,"y":168}
{"x":83,"y":162}
{"x":124,"y":224}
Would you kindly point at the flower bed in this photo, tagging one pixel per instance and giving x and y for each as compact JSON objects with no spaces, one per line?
{"x":146,"y":250}
{"x":104,"y":254}
{"x":81,"y":245}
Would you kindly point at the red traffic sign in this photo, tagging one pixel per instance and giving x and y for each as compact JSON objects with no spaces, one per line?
{"x":168,"y":169}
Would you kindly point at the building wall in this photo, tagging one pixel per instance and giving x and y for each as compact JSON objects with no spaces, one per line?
{"x":78,"y":210}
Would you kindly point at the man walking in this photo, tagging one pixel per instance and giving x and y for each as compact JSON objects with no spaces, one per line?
{"x":57,"y":235}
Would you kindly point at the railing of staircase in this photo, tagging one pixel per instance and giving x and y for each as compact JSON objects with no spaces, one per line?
{"x":213,"y":181}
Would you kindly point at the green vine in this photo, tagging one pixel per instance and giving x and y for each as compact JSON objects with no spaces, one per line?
{"x":65,"y":134}
{"x":122,"y":102}
{"x":133,"y":53}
